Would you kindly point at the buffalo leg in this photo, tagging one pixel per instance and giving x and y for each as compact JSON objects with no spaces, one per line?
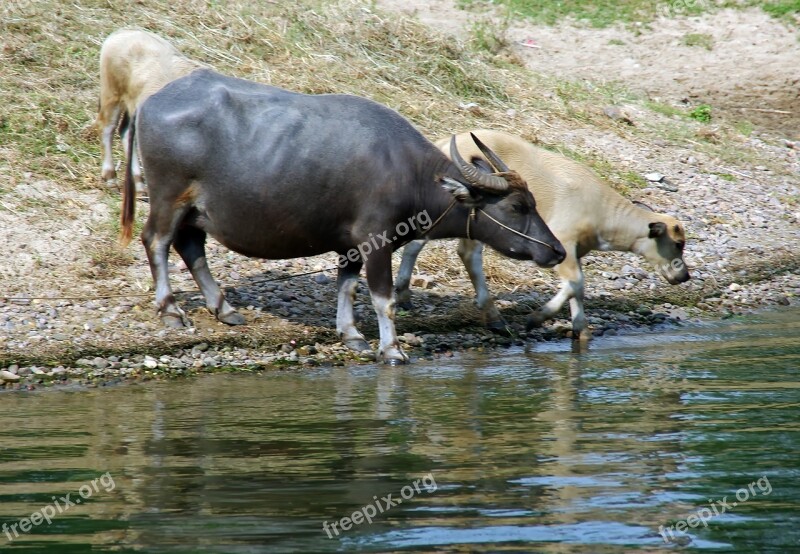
{"x":107,"y":119}
{"x":471,"y":253}
{"x":136,"y":168}
{"x":346,"y":282}
{"x":379,"y":279}
{"x":190,"y":244}
{"x":402,"y":284}
{"x":157,"y":247}
{"x":572,"y":290}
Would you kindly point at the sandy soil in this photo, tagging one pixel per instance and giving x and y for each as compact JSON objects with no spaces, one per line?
{"x":750,"y":73}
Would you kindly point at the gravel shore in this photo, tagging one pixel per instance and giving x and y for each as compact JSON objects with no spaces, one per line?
{"x":76,"y":310}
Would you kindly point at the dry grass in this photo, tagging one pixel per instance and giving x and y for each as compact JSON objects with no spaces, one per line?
{"x":50,"y":54}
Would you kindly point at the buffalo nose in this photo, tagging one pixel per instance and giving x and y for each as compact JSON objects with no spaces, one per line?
{"x":560,"y":253}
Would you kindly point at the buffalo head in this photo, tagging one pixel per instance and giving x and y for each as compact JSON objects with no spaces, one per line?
{"x":502,"y":209}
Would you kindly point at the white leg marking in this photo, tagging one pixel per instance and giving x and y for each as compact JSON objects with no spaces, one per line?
{"x":345,"y":320}
{"x":389,"y":347}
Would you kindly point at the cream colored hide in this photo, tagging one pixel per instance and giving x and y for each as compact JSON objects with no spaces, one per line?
{"x":584,"y":213}
{"x":134,"y":64}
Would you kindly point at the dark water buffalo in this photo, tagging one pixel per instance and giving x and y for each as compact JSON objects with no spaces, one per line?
{"x":276,"y":174}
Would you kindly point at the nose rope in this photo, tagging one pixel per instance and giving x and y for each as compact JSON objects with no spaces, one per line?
{"x":441,"y":217}
{"x":472,"y":215}
{"x":523,"y":235}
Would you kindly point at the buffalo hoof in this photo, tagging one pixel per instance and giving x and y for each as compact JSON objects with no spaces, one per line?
{"x":175,"y":321}
{"x":109,"y":176}
{"x":231,"y":318}
{"x":357,"y":344}
{"x":535,"y":320}
{"x":579,"y":346}
{"x":394,"y":356}
{"x":499,"y":328}
{"x":406,"y":305}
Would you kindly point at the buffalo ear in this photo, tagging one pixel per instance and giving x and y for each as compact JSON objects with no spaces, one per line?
{"x":657,"y":228}
{"x":461,"y":192}
{"x":482,"y":164}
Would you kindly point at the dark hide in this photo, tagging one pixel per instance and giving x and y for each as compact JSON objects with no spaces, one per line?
{"x":276,"y":174}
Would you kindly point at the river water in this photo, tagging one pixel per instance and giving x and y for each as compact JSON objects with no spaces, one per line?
{"x":687,"y":438}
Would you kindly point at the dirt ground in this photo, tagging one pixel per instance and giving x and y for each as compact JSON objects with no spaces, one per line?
{"x":742,"y":214}
{"x":748,"y":72}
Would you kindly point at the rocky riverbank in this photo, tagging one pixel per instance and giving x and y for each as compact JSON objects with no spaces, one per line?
{"x":75,"y":309}
{"x":291,"y":321}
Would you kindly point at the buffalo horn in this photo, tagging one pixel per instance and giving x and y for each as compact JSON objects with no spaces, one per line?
{"x":494,"y":159}
{"x":478,"y":179}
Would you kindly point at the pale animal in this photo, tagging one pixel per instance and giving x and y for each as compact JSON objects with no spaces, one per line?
{"x":133,"y":65}
{"x":582,"y":211}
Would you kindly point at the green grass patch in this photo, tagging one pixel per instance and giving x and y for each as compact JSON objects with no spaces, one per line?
{"x":744,"y":127}
{"x":488,"y":36}
{"x":702,"y":40}
{"x":701,"y":113}
{"x":784,"y":9}
{"x":665,"y":109}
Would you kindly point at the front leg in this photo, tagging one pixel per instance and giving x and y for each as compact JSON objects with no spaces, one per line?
{"x":579,"y":329}
{"x":346,"y":283}
{"x":402,"y":284}
{"x":379,"y":279}
{"x":471,"y":254}
{"x":571,"y":290}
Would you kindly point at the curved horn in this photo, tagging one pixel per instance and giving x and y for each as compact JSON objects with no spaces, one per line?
{"x":479,"y":179}
{"x":642,"y":205}
{"x":494,"y":159}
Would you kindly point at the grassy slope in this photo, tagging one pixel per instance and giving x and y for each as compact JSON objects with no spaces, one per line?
{"x":50,"y":51}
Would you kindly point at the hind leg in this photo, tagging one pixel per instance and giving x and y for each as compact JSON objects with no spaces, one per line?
{"x":190,"y":244}
{"x":107,"y":119}
{"x":157,"y":237}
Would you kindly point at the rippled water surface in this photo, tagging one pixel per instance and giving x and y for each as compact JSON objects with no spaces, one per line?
{"x":528,"y":451}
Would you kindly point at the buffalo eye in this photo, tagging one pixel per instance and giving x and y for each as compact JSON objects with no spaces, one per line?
{"x":521,"y":208}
